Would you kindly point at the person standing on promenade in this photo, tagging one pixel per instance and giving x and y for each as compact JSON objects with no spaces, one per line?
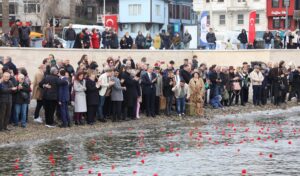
{"x":256,"y":80}
{"x":148,"y":88}
{"x":211,"y":39}
{"x":63,"y":100}
{"x":268,"y":37}
{"x":117,"y":96}
{"x":140,"y":41}
{"x":186,"y":39}
{"x":95,"y":39}
{"x":6,"y":90}
{"x":196,"y":93}
{"x":92,"y":97}
{"x":243,"y":38}
{"x":14,"y":32}
{"x":106,"y":83}
{"x":24,"y":33}
{"x":80,"y":98}
{"x":168,"y":84}
{"x":181,"y":92}
{"x":50,"y":85}
{"x":22,"y":98}
{"x":70,"y":36}
{"x":48,"y":36}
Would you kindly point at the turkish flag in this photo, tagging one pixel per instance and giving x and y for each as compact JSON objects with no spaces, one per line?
{"x":111,"y":21}
{"x":252,"y":33}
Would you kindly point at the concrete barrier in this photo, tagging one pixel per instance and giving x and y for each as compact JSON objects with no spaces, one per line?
{"x":30,"y":58}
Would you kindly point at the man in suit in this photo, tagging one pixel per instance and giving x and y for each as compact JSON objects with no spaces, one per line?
{"x":149,"y":80}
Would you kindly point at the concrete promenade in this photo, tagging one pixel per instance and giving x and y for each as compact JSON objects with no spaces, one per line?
{"x":32,"y":57}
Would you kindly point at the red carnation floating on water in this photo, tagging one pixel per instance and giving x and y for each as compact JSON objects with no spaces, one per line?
{"x":90,"y":171}
{"x":155,"y":174}
{"x":113,"y":167}
{"x":81,"y":167}
{"x":244,"y":172}
{"x":162,"y":149}
{"x":99,"y":174}
{"x":177,"y":154}
{"x":290,"y":142}
{"x":276,"y":141}
{"x":143,"y":161}
{"x":70,"y":157}
{"x":134,"y":172}
{"x":271,"y":156}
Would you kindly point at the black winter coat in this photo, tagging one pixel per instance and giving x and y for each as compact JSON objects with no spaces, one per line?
{"x":167,"y":88}
{"x":19,"y":99}
{"x":243,"y":38}
{"x":186,"y":76}
{"x":132,"y":89}
{"x":92,"y":93}
{"x":54,"y":82}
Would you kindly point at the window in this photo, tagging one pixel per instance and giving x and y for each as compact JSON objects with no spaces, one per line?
{"x":257,"y":19}
{"x":222,"y":20}
{"x":276,"y":22}
{"x":208,"y":19}
{"x":275,"y":3}
{"x":135,"y":9}
{"x":289,"y":22}
{"x":157,"y":10}
{"x":32,"y":6}
{"x":241,"y":0}
{"x":285,"y":3}
{"x":240,"y":19}
{"x":186,"y":12}
{"x":135,"y":28}
{"x":220,"y":0}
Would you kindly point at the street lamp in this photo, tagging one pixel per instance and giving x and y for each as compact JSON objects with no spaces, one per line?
{"x":287,"y":4}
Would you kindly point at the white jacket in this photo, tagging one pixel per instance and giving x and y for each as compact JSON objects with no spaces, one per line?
{"x":256,"y":78}
{"x":177,"y":90}
{"x":104,"y":80}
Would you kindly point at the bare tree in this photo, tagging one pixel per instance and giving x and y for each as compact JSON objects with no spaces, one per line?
{"x":5,"y":16}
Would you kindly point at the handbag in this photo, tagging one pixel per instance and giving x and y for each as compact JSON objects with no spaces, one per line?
{"x":24,"y":95}
{"x":108,"y":92}
{"x":236,"y":86}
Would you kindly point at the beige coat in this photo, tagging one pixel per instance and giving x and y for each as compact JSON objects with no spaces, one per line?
{"x":256,"y":78}
{"x":177,"y":90}
{"x":37,"y":92}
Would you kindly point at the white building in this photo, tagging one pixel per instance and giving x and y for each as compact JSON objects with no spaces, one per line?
{"x":233,"y":15}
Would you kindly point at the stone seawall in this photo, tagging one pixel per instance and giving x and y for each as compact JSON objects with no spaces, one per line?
{"x":32,"y":57}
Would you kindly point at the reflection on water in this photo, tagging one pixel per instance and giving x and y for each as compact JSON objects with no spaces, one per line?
{"x":259,"y":144}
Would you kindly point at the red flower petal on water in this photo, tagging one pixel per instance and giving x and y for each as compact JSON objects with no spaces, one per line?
{"x":113,"y":167}
{"x":270,"y":155}
{"x":99,"y":174}
{"x":155,"y":174}
{"x":134,"y":172}
{"x":244,"y":172}
{"x":276,"y":141}
{"x":81,"y":167}
{"x":70,"y":157}
{"x":16,"y":167}
{"x":290,"y":142}
{"x":143,"y":161}
{"x":162,"y":149}
{"x":261,"y":154}
{"x":17,"y":160}
{"x":258,"y":138}
{"x":53,"y":162}
{"x":20,"y":174}
{"x":177,"y":154}
{"x":238,"y":150}
{"x":90,"y":171}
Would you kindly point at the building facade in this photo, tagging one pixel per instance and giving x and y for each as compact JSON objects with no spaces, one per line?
{"x":233,"y":15}
{"x":277,"y":10}
{"x":147,"y":16}
{"x":181,"y":13}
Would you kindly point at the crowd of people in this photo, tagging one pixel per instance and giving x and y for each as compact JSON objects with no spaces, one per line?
{"x":124,"y":89}
{"x":108,"y":39}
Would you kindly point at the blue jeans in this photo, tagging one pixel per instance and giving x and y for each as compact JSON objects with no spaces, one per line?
{"x":180,"y":105}
{"x":20,"y":110}
{"x":70,"y":43}
{"x":15,"y":42}
{"x":256,"y":95}
{"x":267,"y":45}
{"x":100,"y":107}
{"x":243,"y":46}
{"x":64,"y":113}
{"x":211,"y":46}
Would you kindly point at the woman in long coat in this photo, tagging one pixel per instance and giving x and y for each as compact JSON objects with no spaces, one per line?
{"x":80,"y":98}
{"x":92,"y":98}
{"x":196,"y":93}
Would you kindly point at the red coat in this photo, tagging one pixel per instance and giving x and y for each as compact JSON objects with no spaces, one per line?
{"x":95,"y":41}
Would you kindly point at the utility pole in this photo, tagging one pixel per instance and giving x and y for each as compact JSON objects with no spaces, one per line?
{"x":287,"y":4}
{"x":104,"y":12}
